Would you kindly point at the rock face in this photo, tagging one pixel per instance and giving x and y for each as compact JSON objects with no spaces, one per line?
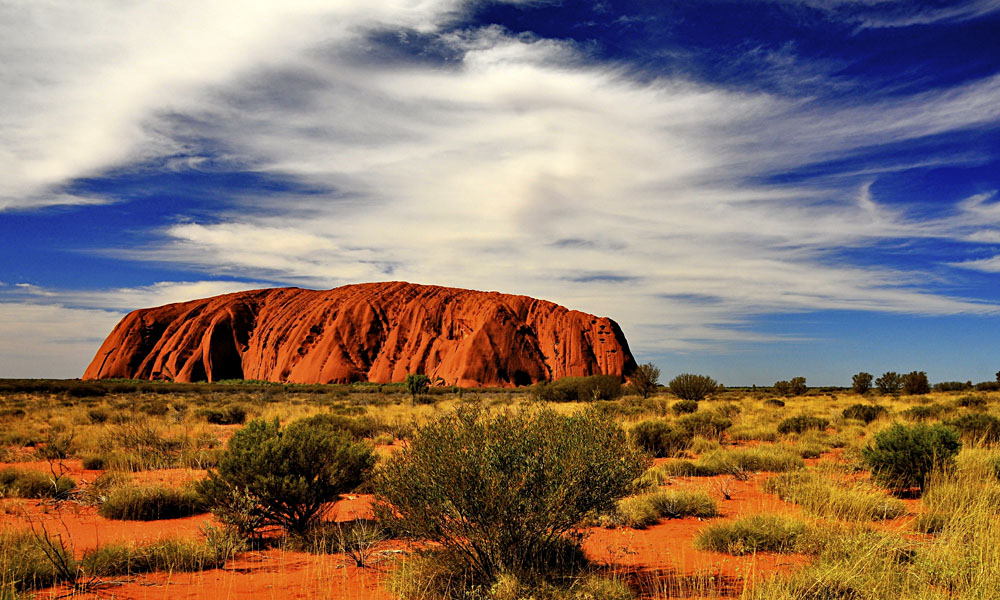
{"x":375,"y":332}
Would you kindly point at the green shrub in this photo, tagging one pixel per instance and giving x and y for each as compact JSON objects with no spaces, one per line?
{"x":802,"y":423}
{"x":27,"y":483}
{"x":861,"y":383}
{"x":231,"y":414}
{"x":660,"y":438}
{"x":774,"y":402}
{"x":502,"y":491}
{"x":99,"y":415}
{"x":358,"y":427}
{"x":684,"y":407}
{"x":645,"y":379}
{"x":902,"y":457}
{"x":94,"y":462}
{"x":889,"y":383}
{"x":751,"y":534}
{"x":972,"y":401}
{"x":687,"y":386}
{"x":417,"y":384}
{"x":283,"y":477}
{"x":578,"y":389}
{"x":915,"y":383}
{"x":864,"y":412}
{"x":707,"y":424}
{"x":150,"y":503}
{"x":924,"y":412}
{"x":977,"y":427}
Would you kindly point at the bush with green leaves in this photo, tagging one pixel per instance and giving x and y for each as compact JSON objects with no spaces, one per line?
{"x":977,"y":427}
{"x":889,"y":383}
{"x":924,"y":412}
{"x":578,"y":389}
{"x":864,"y":412}
{"x":688,"y":386}
{"x":500,"y":492}
{"x":230,"y":414}
{"x":902,"y":457}
{"x":971,"y":401}
{"x":283,"y":476}
{"x":684,"y":407}
{"x":915,"y":383}
{"x":802,"y":423}
{"x":861,"y":383}
{"x":705,"y":423}
{"x":645,"y":379}
{"x":661,"y":438}
{"x":416,"y":384}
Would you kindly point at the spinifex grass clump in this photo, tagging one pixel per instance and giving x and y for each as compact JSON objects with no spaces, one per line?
{"x":755,"y":533}
{"x":738,"y":461}
{"x":661,"y":438}
{"x":802,"y":423}
{"x":26,"y":564}
{"x":28,"y":483}
{"x":642,"y":511}
{"x":169,"y":554}
{"x":901,"y":457}
{"x":500,"y":492}
{"x":820,"y":495}
{"x":132,"y":502}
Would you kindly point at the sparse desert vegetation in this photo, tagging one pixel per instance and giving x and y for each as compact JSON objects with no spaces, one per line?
{"x":573,"y":489}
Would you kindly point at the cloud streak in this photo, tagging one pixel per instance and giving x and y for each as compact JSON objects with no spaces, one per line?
{"x":514,"y":165}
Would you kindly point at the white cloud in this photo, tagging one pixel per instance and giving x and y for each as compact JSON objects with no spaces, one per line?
{"x":986,"y":265}
{"x":39,"y":340}
{"x":473,"y":173}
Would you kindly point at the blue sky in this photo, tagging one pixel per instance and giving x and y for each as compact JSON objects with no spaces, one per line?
{"x":754,"y":190}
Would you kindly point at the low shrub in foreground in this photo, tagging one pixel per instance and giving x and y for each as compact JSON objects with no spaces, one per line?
{"x":754,"y":533}
{"x":642,"y":511}
{"x":283,"y":476}
{"x":28,"y":483}
{"x":150,"y":503}
{"x":901,"y":457}
{"x":802,"y":423}
{"x":661,"y":438}
{"x":501,"y":492}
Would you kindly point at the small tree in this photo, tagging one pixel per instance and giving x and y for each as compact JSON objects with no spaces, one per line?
{"x":285,"y":477}
{"x":889,"y":383}
{"x":902,"y":457}
{"x":998,"y":376}
{"x":417,"y":383}
{"x":862,"y":382}
{"x":692,"y":387}
{"x":798,"y":386}
{"x":782,"y":388}
{"x":645,"y":379}
{"x":915,"y":383}
{"x":500,"y":492}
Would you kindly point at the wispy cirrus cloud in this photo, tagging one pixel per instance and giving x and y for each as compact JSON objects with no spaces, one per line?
{"x":473,"y":157}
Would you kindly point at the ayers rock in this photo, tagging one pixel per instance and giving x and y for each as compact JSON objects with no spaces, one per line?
{"x":376,"y":332}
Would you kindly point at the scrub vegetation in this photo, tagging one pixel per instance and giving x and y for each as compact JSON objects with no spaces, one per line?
{"x":881,"y":489}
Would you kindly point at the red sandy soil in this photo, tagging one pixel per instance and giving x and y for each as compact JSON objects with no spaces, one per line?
{"x":660,"y":559}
